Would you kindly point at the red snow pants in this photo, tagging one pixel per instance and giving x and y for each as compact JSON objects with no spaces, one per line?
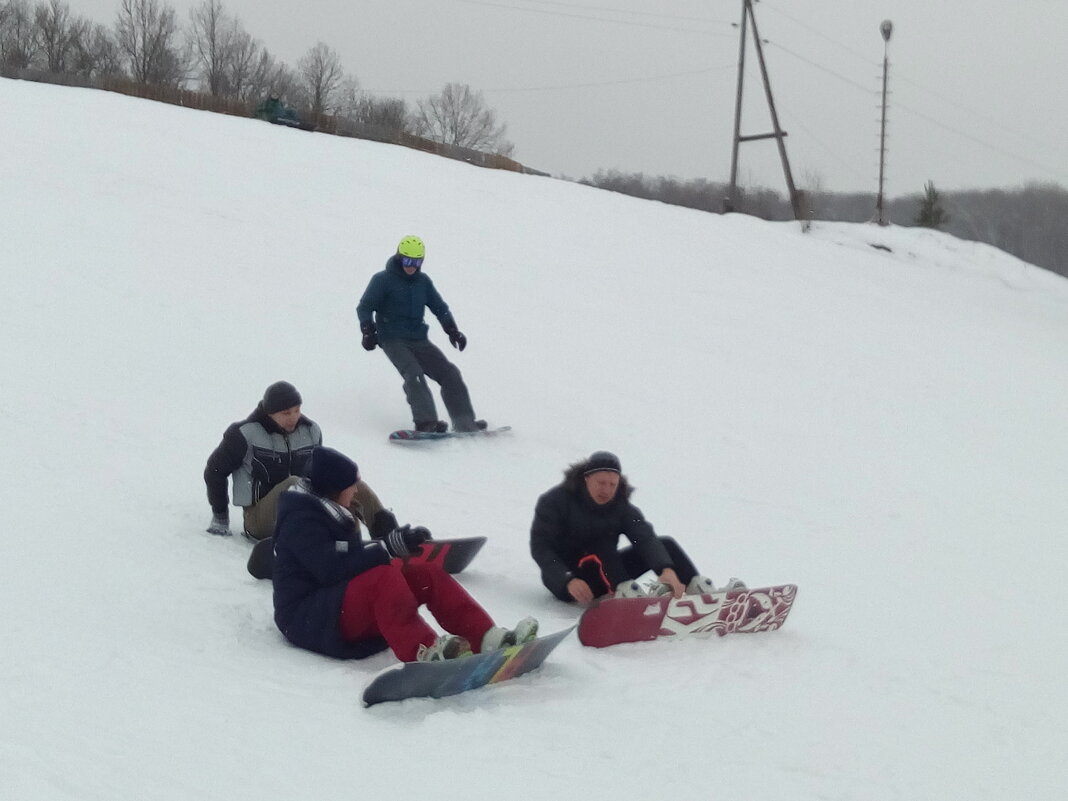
{"x":384,"y":601}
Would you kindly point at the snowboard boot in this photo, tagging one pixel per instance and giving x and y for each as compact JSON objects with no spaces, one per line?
{"x":630,"y":589}
{"x":700,"y":585}
{"x":496,"y":637}
{"x":447,"y":646}
{"x":469,"y":426}
{"x":655,"y":589}
{"x":432,"y":426}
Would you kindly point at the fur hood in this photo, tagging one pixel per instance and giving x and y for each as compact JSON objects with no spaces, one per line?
{"x":574,"y":481}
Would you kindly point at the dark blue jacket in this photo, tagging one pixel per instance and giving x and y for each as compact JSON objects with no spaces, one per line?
{"x":317,"y":550}
{"x":395,"y":301}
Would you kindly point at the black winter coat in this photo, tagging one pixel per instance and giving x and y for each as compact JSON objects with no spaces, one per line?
{"x":569,"y":524}
{"x":317,"y":550}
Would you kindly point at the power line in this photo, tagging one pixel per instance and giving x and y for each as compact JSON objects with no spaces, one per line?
{"x":817,"y":65}
{"x":978,"y":141}
{"x":629,"y":23}
{"x":900,"y":76}
{"x":656,"y":14}
{"x":822,"y":35}
{"x":592,"y":84}
{"x":928,"y":118}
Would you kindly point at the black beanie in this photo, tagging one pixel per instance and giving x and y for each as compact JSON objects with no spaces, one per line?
{"x":331,"y":472}
{"x":280,"y":396}
{"x":601,"y":460}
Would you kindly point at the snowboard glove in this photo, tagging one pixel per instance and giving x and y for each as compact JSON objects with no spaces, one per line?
{"x":220,"y":525}
{"x":370,"y":336}
{"x":405,"y":540}
{"x":457,"y":339}
{"x":384,"y":522}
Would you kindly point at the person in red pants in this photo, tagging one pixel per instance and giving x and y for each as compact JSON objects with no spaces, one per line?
{"x":339,"y":595}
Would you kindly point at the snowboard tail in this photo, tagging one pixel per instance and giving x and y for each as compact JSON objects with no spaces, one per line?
{"x":453,"y":555}
{"x":612,"y":621}
{"x":454,"y":676}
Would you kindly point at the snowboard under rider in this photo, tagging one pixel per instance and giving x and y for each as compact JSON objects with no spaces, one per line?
{"x":575,"y":534}
{"x":391,"y":314}
{"x":340,"y":595}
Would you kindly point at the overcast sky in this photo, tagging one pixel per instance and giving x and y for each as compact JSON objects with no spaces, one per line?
{"x":649,"y":85}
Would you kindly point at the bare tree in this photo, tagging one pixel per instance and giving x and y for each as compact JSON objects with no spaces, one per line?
{"x":147,"y":35}
{"x":18,"y":35}
{"x":347,"y":97}
{"x":459,"y":116}
{"x":56,"y":31}
{"x":215,"y":40}
{"x":320,"y":74}
{"x":95,"y":52}
{"x":388,"y":114}
{"x":241,"y":62}
{"x":269,"y":77}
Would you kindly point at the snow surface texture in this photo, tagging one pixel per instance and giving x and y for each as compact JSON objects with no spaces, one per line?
{"x":877,"y":415}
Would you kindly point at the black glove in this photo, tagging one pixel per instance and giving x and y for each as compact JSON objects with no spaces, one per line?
{"x":220,"y":525}
{"x":405,"y":540}
{"x":384,"y":522}
{"x":457,"y":339}
{"x":370,"y":336}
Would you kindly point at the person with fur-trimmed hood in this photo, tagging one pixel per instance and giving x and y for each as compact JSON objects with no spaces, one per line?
{"x":575,"y":534}
{"x":340,"y":595}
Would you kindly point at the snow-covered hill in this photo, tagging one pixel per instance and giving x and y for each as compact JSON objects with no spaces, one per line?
{"x":877,"y":415}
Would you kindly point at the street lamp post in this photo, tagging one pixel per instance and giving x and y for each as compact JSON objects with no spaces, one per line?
{"x":886,"y":29}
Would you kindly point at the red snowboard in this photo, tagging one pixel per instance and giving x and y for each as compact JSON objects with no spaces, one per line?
{"x":616,"y":620}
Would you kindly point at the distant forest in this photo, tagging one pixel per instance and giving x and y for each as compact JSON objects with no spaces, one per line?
{"x":1029,"y":222}
{"x":212,"y":53}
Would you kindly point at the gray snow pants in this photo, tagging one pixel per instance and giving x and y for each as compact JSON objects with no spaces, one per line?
{"x":418,"y":360}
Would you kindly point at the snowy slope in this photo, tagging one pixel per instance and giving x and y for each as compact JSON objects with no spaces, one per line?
{"x":877,"y":415}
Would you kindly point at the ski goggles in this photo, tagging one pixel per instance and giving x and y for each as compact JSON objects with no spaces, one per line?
{"x":411,"y":261}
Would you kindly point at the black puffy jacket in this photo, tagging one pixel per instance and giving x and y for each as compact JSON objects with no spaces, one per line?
{"x":569,"y":524}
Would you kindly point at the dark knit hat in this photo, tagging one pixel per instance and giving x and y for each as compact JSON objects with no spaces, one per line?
{"x":280,"y":396}
{"x":602,"y":460}
{"x":331,"y":472}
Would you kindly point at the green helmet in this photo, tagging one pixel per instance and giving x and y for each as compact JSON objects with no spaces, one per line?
{"x":412,"y":247}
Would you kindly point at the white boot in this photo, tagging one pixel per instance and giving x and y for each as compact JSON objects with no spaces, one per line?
{"x":497,"y":637}
{"x":447,"y":646}
{"x":700,"y":585}
{"x":630,"y":589}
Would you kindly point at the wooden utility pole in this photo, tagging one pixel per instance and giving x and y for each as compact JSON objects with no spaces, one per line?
{"x":777,"y":133}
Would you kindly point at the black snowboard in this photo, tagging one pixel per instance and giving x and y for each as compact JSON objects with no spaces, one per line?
{"x":453,"y":676}
{"x":453,"y":555}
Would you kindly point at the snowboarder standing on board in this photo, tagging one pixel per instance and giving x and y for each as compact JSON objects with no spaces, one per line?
{"x":575,"y":534}
{"x":339,"y":595}
{"x":391,"y":317}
